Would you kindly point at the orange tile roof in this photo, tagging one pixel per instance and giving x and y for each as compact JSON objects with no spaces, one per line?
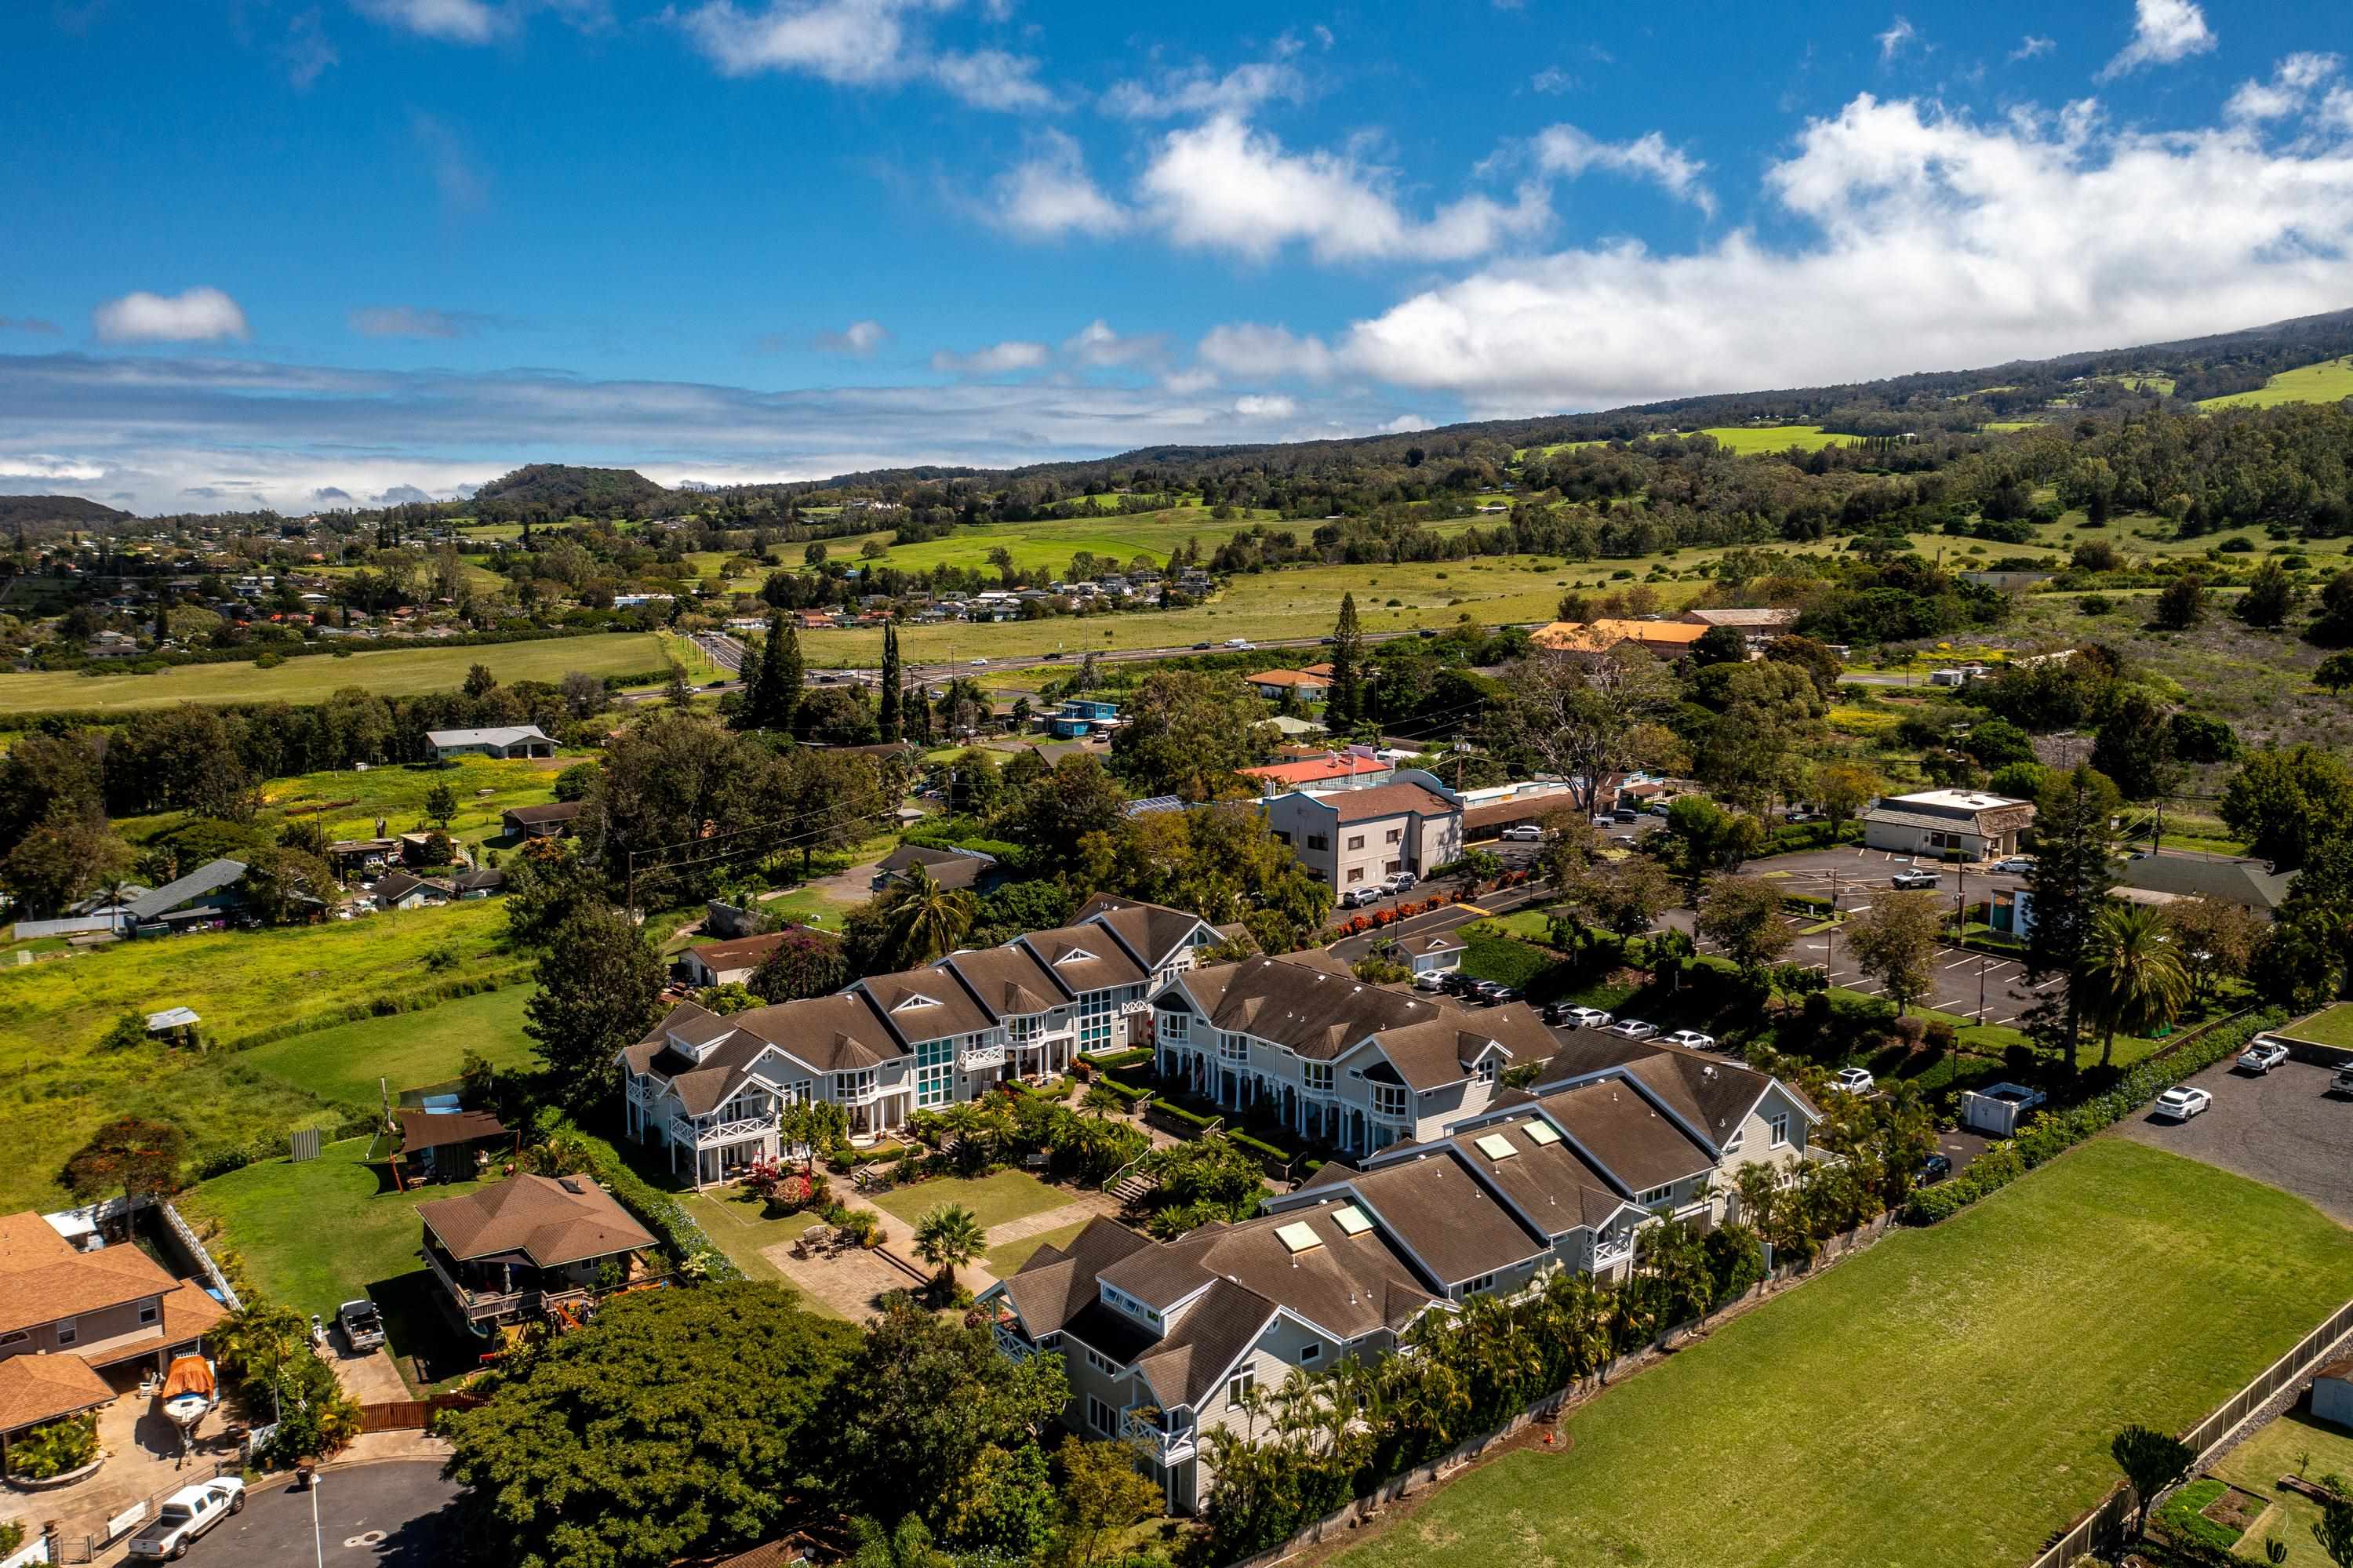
{"x":1317,"y":770}
{"x":43,"y":1278}
{"x":34,"y":1389}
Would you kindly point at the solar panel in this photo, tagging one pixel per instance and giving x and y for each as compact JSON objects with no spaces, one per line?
{"x":1298,"y":1236}
{"x":1351,"y":1220}
{"x":1495,"y":1145}
{"x":1541,"y":1133}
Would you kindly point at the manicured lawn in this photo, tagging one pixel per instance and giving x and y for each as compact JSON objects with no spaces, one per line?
{"x":1948,"y":1397}
{"x":2291,"y":1446}
{"x":733,"y":1219}
{"x":1002,"y":1261}
{"x":319,"y":1233}
{"x":2330,"y":1026}
{"x":1007,"y":1196}
{"x":62,"y":1083}
{"x":392,"y":671}
{"x":407,"y":1050}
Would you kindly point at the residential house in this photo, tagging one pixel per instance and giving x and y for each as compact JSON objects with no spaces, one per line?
{"x":441,"y":1141}
{"x":1078,"y":718}
{"x":2251,"y":884}
{"x":1274,"y":686}
{"x":731,"y":962}
{"x":205,"y":898}
{"x":552,"y":821}
{"x":480,"y":882}
{"x":1667,"y":638}
{"x":1760,"y":626}
{"x":76,"y":1328}
{"x":403,"y":890}
{"x":1353,"y":837}
{"x":713,"y":1086}
{"x":951,"y":868}
{"x":1163,"y":1343}
{"x":1333,"y":771}
{"x":507,"y":741}
{"x":1937,"y":822}
{"x":1434,"y":953}
{"x":517,"y":1247}
{"x":1487,"y":812}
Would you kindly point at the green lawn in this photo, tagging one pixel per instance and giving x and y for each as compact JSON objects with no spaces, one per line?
{"x":1007,"y":1196}
{"x":2291,"y":1446}
{"x":1004,"y":1261}
{"x":407,"y":1050}
{"x":1749,"y":438}
{"x":347,"y":802}
{"x":322,"y":1232}
{"x":1948,"y":1397}
{"x":2329,"y":1026}
{"x":733,"y":1217}
{"x":53,"y":1015}
{"x":2325,"y":383}
{"x":391,"y":671}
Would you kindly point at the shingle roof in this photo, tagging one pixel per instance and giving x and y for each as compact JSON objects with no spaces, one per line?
{"x":43,"y":1278}
{"x":741,"y":952}
{"x":926,"y":1004}
{"x":421,"y":1130}
{"x":1109,"y":963}
{"x":1624,"y":1135}
{"x":1309,"y":1004}
{"x":2247,"y":883}
{"x":1055,"y":1283}
{"x":1387,"y":800}
{"x":1450,"y":1224}
{"x":34,"y":1389}
{"x":553,"y":811}
{"x":1007,"y":979}
{"x":549,"y":1219}
{"x":1152,"y":931}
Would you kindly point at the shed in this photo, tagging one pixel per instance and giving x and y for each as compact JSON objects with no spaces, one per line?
{"x":2332,"y":1395}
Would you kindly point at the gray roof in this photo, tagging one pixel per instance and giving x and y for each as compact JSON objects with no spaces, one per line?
{"x":1923,"y":819}
{"x":504,"y":734}
{"x":205,"y":879}
{"x":2248,"y":883}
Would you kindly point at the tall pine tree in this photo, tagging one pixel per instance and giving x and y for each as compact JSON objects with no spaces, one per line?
{"x":888,"y":714}
{"x":2075,"y":843}
{"x":773,"y":693}
{"x":1345,"y":705}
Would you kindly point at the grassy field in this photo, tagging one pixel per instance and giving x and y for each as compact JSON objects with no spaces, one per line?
{"x":1007,"y":1196}
{"x":2294,"y":1445}
{"x":56,"y":1082}
{"x":406,"y":1050}
{"x":2324,"y":382}
{"x":733,"y":1218}
{"x":391,"y":673}
{"x":1903,"y":1409}
{"x":1750,"y":438}
{"x":2330,"y":1026}
{"x":347,"y":802}
{"x":328,"y":1231}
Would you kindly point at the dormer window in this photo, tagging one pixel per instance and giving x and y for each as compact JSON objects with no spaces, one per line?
{"x":1076,"y":956}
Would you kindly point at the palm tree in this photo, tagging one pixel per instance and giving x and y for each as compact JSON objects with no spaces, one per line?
{"x":2132,"y":975}
{"x":926,"y":920}
{"x":948,"y":1238}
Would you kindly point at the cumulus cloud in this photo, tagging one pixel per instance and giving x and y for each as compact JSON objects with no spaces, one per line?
{"x":1567,"y":151}
{"x":45,"y":465}
{"x":1098,"y":346}
{"x":1927,"y":240}
{"x":996,"y":359}
{"x":991,"y":78}
{"x":451,"y":21}
{"x":859,"y":43}
{"x":1249,"y":350}
{"x":198,"y":315}
{"x":2031,"y":47}
{"x":410,"y":321}
{"x":1223,"y":185}
{"x":859,"y":340}
{"x":2292,"y":83}
{"x":2165,"y":32}
{"x":1049,"y":194}
{"x":1256,"y":405}
{"x":1197,"y":89}
{"x":1891,"y":42}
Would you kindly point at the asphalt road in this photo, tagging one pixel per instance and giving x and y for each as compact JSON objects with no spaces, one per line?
{"x":398,"y":1514}
{"x":2282,"y":1127}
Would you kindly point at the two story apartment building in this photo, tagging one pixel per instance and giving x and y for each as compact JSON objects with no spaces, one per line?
{"x":1356,"y":838}
{"x":713,"y":1088}
{"x":1164,"y":1343}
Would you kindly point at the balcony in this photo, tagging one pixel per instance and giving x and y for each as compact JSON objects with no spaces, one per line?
{"x":1009,"y":1342}
{"x":1609,"y":1251}
{"x":974,"y":1058}
{"x":1167,"y":1447}
{"x":475,"y":1303}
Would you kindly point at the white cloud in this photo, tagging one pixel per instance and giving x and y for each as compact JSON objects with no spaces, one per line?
{"x":2164,"y":32}
{"x":407,"y":321}
{"x":1552,"y":79}
{"x":307,"y":52}
{"x":859,"y":340}
{"x":198,"y":315}
{"x":1404,"y":424}
{"x":991,"y":78}
{"x":464,"y":187}
{"x":1049,"y":194}
{"x":1932,"y":242}
{"x":44,"y":465}
{"x":1891,"y":42}
{"x":2293,"y":80}
{"x":1222,"y":185}
{"x":1256,"y":405}
{"x":451,"y":21}
{"x":1566,"y":149}
{"x":1186,"y":383}
{"x":843,"y":41}
{"x":998,"y":359}
{"x":1250,"y":351}
{"x":2031,"y":47}
{"x":1197,"y":89}
{"x":1097,"y":346}
{"x":2335,"y":111}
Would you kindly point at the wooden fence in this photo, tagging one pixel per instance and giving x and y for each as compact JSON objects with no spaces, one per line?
{"x":412,"y":1415}
{"x":2104,"y":1527}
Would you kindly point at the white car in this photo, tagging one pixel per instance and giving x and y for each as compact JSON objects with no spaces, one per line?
{"x":1586,"y":1018}
{"x":1854,"y":1081}
{"x":2263,"y":1055}
{"x":1399,"y":881}
{"x":980,"y":663}
{"x":1633,"y":1029}
{"x":1692,"y":1040}
{"x":2181,"y":1102}
{"x":2016,"y":865}
{"x":1522,"y":834}
{"x":187,"y":1514}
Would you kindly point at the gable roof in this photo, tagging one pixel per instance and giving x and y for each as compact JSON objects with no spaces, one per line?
{"x":549,"y":1219}
{"x":1007,"y":980}
{"x":1318,"y":770}
{"x":422,"y":1130}
{"x":44,"y":1279}
{"x":925,"y":1004}
{"x":1387,"y":801}
{"x":1087,"y":957}
{"x":1309,"y":1004}
{"x":34,"y":1389}
{"x":551,"y":812}
{"x":738,"y":952}
{"x":2249,"y":883}
{"x":395,"y":886}
{"x":1152,"y":932}
{"x":1287,"y":678}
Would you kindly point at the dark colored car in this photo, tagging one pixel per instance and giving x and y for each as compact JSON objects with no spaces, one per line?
{"x":1934,"y":1169}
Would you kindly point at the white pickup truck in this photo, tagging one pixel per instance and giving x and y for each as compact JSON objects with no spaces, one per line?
{"x":186,"y":1514}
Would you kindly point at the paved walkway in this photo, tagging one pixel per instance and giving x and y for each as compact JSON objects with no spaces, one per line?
{"x":1086,"y":1207}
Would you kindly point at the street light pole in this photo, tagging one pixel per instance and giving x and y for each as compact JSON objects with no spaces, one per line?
{"x":318,"y":1539}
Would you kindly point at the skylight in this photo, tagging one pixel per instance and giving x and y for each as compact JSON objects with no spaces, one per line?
{"x":1298,"y":1236}
{"x":1495,"y":1145}
{"x":1540,"y":1133}
{"x":1351,"y":1220}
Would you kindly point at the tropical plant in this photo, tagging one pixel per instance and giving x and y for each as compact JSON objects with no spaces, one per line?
{"x":948,"y":1238}
{"x":2132,"y":974}
{"x":2151,"y":1462}
{"x":66,"y":1444}
{"x":924,"y":921}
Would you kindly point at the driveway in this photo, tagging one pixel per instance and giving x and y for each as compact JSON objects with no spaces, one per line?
{"x":1854,"y":872}
{"x":2282,"y":1129}
{"x":397,"y":1515}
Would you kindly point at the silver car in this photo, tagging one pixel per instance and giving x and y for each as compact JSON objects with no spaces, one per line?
{"x":2263,"y":1055}
{"x":1633,"y":1029}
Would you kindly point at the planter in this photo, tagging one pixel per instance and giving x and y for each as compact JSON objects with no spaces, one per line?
{"x":55,"y":1483}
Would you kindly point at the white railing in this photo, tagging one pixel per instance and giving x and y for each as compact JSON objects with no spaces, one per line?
{"x":1608,"y":1254}
{"x":737,"y":1131}
{"x":973,"y":1058}
{"x":1013,"y":1344}
{"x":1166,"y":1446}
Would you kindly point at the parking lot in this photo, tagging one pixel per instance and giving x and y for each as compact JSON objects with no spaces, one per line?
{"x":2282,"y":1127}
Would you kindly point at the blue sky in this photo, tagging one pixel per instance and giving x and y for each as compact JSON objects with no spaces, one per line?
{"x":301,"y":251}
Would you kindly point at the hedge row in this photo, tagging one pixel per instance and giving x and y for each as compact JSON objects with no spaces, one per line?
{"x":1789,"y":839}
{"x":2054,"y":1134}
{"x":1264,"y":1150}
{"x":1128,"y":1093}
{"x":1118,"y":1061}
{"x":1184,"y":1117}
{"x":667,"y":1218}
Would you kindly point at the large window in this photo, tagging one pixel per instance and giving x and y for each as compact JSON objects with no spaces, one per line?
{"x":1779,"y":1123}
{"x":1356,"y":841}
{"x":1316,"y":1076}
{"x":1319,"y":840}
{"x":1095,"y":1021}
{"x":936,"y":1072}
{"x":851,"y":1085}
{"x":1101,"y":1417}
{"x":1239,"y":1387}
{"x":1233,"y":1047}
{"x":1388,"y":1100}
{"x":1177,"y":1026}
